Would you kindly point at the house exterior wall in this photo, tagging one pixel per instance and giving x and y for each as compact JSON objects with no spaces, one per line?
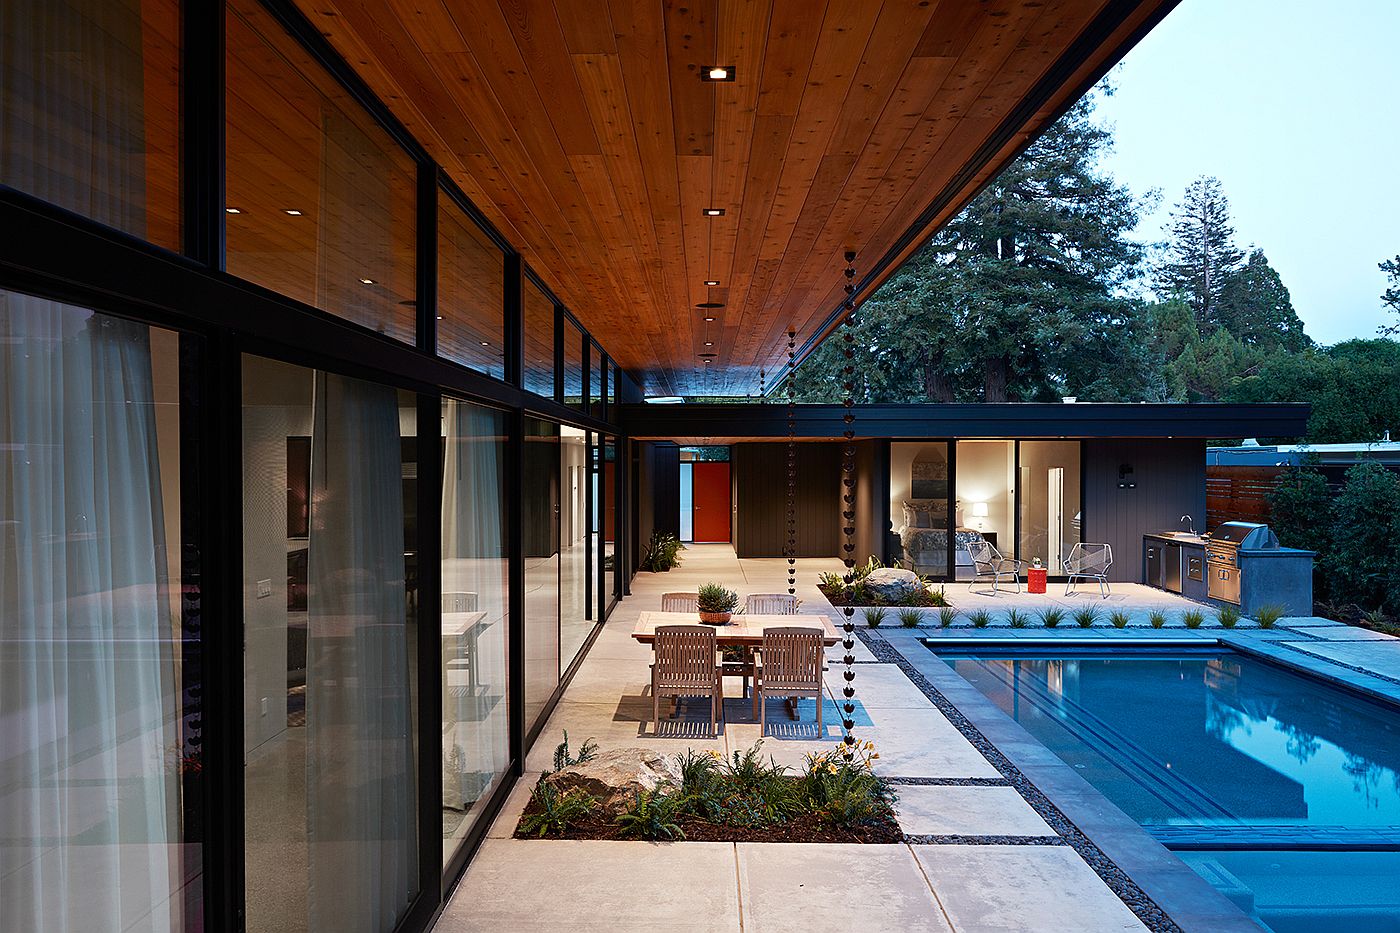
{"x":1170,"y":478}
{"x":760,"y":478}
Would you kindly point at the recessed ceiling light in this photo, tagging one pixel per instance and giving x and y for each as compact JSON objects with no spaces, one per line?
{"x":232,"y":210}
{"x":439,"y":317}
{"x":294,"y":213}
{"x":366,"y":281}
{"x":712,"y":283}
{"x":485,"y":344}
{"x":709,"y":343}
{"x":709,"y":319}
{"x":714,"y":212}
{"x":717,"y":73}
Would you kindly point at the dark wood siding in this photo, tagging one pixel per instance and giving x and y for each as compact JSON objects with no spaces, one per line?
{"x":666,"y":489}
{"x":760,"y":478}
{"x":1170,"y":478}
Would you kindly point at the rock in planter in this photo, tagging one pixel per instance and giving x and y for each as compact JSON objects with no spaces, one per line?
{"x":892,"y":583}
{"x":615,"y":776}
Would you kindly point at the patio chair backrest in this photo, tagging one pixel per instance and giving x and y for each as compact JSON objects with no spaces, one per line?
{"x":1090,"y":559}
{"x":984,"y":556}
{"x":680,"y":602}
{"x":792,"y":658}
{"x":685,"y":656}
{"x":770,"y":604}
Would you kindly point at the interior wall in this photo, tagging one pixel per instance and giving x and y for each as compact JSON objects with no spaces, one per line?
{"x":872,"y":519}
{"x":1037,"y":458}
{"x":760,"y":477}
{"x":986,"y":472}
{"x":1170,"y":478}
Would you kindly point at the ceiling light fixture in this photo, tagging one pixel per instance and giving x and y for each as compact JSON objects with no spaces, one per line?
{"x":714,"y":212}
{"x":712,"y":283}
{"x":439,"y":317}
{"x":718,"y":73}
{"x":366,"y":281}
{"x":485,"y":344}
{"x":709,"y":343}
{"x":232,"y":210}
{"x":294,"y":213}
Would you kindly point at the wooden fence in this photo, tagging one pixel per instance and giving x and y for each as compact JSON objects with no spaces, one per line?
{"x":1239,"y":493}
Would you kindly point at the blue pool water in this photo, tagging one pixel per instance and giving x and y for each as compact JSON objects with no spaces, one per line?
{"x":1281,"y":790}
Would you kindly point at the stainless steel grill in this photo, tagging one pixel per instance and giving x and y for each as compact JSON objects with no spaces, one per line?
{"x":1223,"y":546}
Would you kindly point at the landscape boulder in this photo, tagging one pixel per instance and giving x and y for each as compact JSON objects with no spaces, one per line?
{"x":615,"y":776}
{"x":892,"y":583}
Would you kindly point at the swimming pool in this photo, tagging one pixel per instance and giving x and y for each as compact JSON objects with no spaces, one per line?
{"x":1280,"y":789}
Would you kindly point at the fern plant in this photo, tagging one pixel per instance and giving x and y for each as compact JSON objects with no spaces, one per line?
{"x":562,"y":758}
{"x":551,"y":812}
{"x":651,"y":815}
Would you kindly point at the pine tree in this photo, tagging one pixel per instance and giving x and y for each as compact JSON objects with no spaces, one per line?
{"x":1256,"y":309}
{"x":1201,"y":251}
{"x":1391,"y":296}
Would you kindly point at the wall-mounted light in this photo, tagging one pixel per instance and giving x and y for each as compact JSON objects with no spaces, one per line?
{"x":718,"y":73}
{"x":1125,"y":476}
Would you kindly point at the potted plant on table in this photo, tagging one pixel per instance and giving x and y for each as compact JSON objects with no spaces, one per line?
{"x":716,"y":603}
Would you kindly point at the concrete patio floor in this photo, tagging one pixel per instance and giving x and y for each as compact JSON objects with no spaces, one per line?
{"x":947,"y":788}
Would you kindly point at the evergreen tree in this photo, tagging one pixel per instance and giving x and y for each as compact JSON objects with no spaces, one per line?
{"x":1201,"y":251}
{"x":1364,"y":560}
{"x":1021,"y":296}
{"x":1256,"y":309}
{"x":1301,"y":507}
{"x":1354,"y":388}
{"x":1391,"y":296}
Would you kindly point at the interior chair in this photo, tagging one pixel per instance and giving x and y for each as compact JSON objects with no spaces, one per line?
{"x":790,"y":665}
{"x":1089,"y":562}
{"x":680,"y":602}
{"x":683,"y":665}
{"x":770,"y":604}
{"x":987,"y":562}
{"x":460,"y":602}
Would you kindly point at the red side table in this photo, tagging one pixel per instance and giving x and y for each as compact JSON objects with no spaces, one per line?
{"x":1035,"y":579}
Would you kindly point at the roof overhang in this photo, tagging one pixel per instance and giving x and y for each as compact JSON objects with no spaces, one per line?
{"x":699,"y":423}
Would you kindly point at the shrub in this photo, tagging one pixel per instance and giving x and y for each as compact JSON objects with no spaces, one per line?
{"x":831,"y":579}
{"x":662,"y":552}
{"x":946,"y":616}
{"x":651,"y":815}
{"x":562,"y":758}
{"x":715,"y":597}
{"x":1016,"y":618}
{"x":756,"y":793}
{"x":1228,"y":616}
{"x":980,"y":618}
{"x":1157,"y":618}
{"x":1267,"y":616}
{"x":844,"y":791}
{"x":1051,"y":617}
{"x":1119,"y":618}
{"x":1364,"y":560}
{"x":551,"y":813}
{"x":910,"y":618}
{"x":1192,"y":618}
{"x":875,"y":616}
{"x":938,"y":597}
{"x":1086,"y":616}
{"x":1301,"y":507}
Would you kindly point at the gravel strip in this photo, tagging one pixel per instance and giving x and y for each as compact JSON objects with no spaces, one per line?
{"x":985,"y":840}
{"x":1152,"y":916}
{"x":951,"y":782}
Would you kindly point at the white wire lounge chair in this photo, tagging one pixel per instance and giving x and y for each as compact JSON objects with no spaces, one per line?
{"x":1089,"y":562}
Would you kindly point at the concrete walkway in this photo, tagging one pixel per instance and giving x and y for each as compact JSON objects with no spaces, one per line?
{"x":1028,"y":879}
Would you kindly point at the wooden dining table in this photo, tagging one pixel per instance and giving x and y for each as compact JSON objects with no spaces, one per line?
{"x":743,"y":630}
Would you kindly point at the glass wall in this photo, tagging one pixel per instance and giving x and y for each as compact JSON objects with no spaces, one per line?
{"x":90,"y":110}
{"x":475,"y":618}
{"x":471,"y":292}
{"x":320,"y":201}
{"x":929,"y":533}
{"x":1050,"y":518}
{"x":540,"y":499}
{"x":573,"y":365}
{"x":539,"y":341}
{"x":329,"y":608}
{"x":100,"y":764}
{"x":605,"y":505}
{"x":986,"y":494}
{"x":595,"y":380}
{"x":575,"y":619}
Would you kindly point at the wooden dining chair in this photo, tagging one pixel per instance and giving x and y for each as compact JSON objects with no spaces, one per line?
{"x":683,"y":665}
{"x":680,"y":602}
{"x":789,"y":665}
{"x":770,"y":604}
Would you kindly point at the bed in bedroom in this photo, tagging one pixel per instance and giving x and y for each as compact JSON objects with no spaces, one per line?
{"x":924,"y":538}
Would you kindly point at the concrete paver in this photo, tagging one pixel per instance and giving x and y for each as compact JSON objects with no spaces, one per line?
{"x":951,"y":810}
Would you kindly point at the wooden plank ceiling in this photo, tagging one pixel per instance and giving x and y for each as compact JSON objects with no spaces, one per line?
{"x":584,"y":132}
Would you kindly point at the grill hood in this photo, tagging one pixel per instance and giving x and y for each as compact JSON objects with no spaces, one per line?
{"x":1245,"y":536}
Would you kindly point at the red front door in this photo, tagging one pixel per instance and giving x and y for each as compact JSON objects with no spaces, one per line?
{"x":710,"y":501}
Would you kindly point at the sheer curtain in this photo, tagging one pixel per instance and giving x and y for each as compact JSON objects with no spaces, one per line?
{"x":475,"y":738}
{"x":359,"y":765}
{"x":88,"y":774}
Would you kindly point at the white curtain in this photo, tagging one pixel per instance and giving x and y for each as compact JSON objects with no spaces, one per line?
{"x":361,"y":830}
{"x":475,"y":738}
{"x":89,"y":795}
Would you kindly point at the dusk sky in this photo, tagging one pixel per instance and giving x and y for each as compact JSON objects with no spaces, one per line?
{"x":1293,"y":106}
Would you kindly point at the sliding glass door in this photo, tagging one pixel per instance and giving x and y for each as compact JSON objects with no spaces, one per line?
{"x":330,"y":596}
{"x":540,"y":502}
{"x":1050,"y":516}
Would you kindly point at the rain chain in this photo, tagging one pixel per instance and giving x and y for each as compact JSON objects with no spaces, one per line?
{"x":848,"y":499}
{"x":791,"y":549}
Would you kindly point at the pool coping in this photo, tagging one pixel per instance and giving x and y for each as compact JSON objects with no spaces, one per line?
{"x":1173,"y":886}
